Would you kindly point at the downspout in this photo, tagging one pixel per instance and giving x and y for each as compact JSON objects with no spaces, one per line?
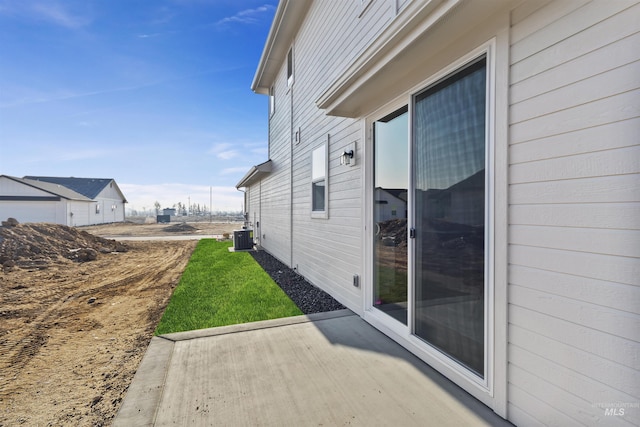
{"x":291,"y":141}
{"x":244,"y":204}
{"x":260,"y":215}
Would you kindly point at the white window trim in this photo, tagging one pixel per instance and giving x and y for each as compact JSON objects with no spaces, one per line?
{"x":272,"y":100}
{"x":290,"y":78}
{"x":324,"y":214}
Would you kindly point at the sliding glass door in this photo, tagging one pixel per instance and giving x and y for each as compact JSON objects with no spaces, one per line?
{"x":449,"y":193}
{"x":430,"y":204}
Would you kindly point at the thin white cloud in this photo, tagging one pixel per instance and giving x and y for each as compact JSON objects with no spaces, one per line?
{"x":227,"y":155}
{"x":247,"y":16}
{"x":51,"y":12}
{"x":224,"y":151}
{"x":56,"y":14}
{"x":76,"y":155}
{"x":148,"y":36}
{"x":85,"y":124}
{"x":236,"y":170}
{"x":262,"y":151}
{"x":63,"y":95}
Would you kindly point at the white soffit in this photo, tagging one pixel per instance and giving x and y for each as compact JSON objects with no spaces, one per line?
{"x":391,"y":65}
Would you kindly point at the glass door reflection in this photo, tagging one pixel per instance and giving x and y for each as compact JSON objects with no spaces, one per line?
{"x":391,"y":145}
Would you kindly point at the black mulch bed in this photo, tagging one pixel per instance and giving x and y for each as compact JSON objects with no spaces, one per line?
{"x":307,"y":297}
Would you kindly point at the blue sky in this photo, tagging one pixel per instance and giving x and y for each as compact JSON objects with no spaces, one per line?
{"x":155,"y":94}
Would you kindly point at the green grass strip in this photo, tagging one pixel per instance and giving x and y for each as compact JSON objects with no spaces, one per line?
{"x":221,"y":288}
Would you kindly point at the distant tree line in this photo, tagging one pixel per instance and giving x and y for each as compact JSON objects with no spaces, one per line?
{"x":182,"y":209}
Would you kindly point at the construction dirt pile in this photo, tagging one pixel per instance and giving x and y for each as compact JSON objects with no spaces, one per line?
{"x":181,"y":228}
{"x":72,"y":334}
{"x":37,"y":245}
{"x":393,"y":232}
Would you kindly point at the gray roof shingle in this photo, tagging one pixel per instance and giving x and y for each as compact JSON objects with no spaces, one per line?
{"x":89,"y":187}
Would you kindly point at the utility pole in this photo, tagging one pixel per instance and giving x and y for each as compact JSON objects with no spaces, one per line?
{"x":189,"y":206}
{"x":210,"y":204}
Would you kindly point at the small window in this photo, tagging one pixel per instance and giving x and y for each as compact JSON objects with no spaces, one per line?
{"x":290,"y":67}
{"x":98,"y":208}
{"x":272,"y":100}
{"x":319,"y":187}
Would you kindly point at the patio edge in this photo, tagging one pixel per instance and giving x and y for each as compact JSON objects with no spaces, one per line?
{"x":263,"y":324}
{"x":145,"y":391}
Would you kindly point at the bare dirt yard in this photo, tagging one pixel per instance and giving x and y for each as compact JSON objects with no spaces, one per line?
{"x":126,"y":229}
{"x":77,"y":313}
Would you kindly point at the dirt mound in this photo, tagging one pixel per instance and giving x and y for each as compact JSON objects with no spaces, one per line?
{"x":393,"y":232}
{"x":180,"y":228}
{"x":37,"y":245}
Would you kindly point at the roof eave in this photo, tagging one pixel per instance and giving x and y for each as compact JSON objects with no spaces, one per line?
{"x":287,"y":20}
{"x":391,"y":64}
{"x":256,"y":172}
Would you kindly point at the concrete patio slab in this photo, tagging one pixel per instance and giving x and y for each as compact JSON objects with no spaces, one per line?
{"x":326,"y":369}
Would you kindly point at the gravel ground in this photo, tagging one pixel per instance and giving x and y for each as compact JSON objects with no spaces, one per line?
{"x":307,"y":297}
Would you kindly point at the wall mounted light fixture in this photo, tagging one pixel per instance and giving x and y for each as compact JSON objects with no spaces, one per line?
{"x":346,"y":157}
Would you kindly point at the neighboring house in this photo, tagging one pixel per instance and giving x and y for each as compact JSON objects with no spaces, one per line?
{"x":391,"y":203}
{"x":514,"y":126}
{"x":68,"y":201}
{"x":169,"y":211}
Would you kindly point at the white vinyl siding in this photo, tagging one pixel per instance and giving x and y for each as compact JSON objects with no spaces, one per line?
{"x":328,"y":253}
{"x":253,"y":208}
{"x":275,"y":188}
{"x":107,"y":198}
{"x":53,"y":212}
{"x":574,"y":275}
{"x":30,"y":210}
{"x":80,"y":213}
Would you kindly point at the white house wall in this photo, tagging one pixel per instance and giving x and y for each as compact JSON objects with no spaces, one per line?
{"x":111,"y":206}
{"x":253,"y":208}
{"x":574,"y":312}
{"x":276,"y":188}
{"x":328,"y":252}
{"x":30,"y":210}
{"x":27,"y":211}
{"x":79,"y":213}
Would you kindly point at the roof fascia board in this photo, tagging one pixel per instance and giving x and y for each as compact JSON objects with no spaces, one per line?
{"x":254,"y":172}
{"x":289,"y":15}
